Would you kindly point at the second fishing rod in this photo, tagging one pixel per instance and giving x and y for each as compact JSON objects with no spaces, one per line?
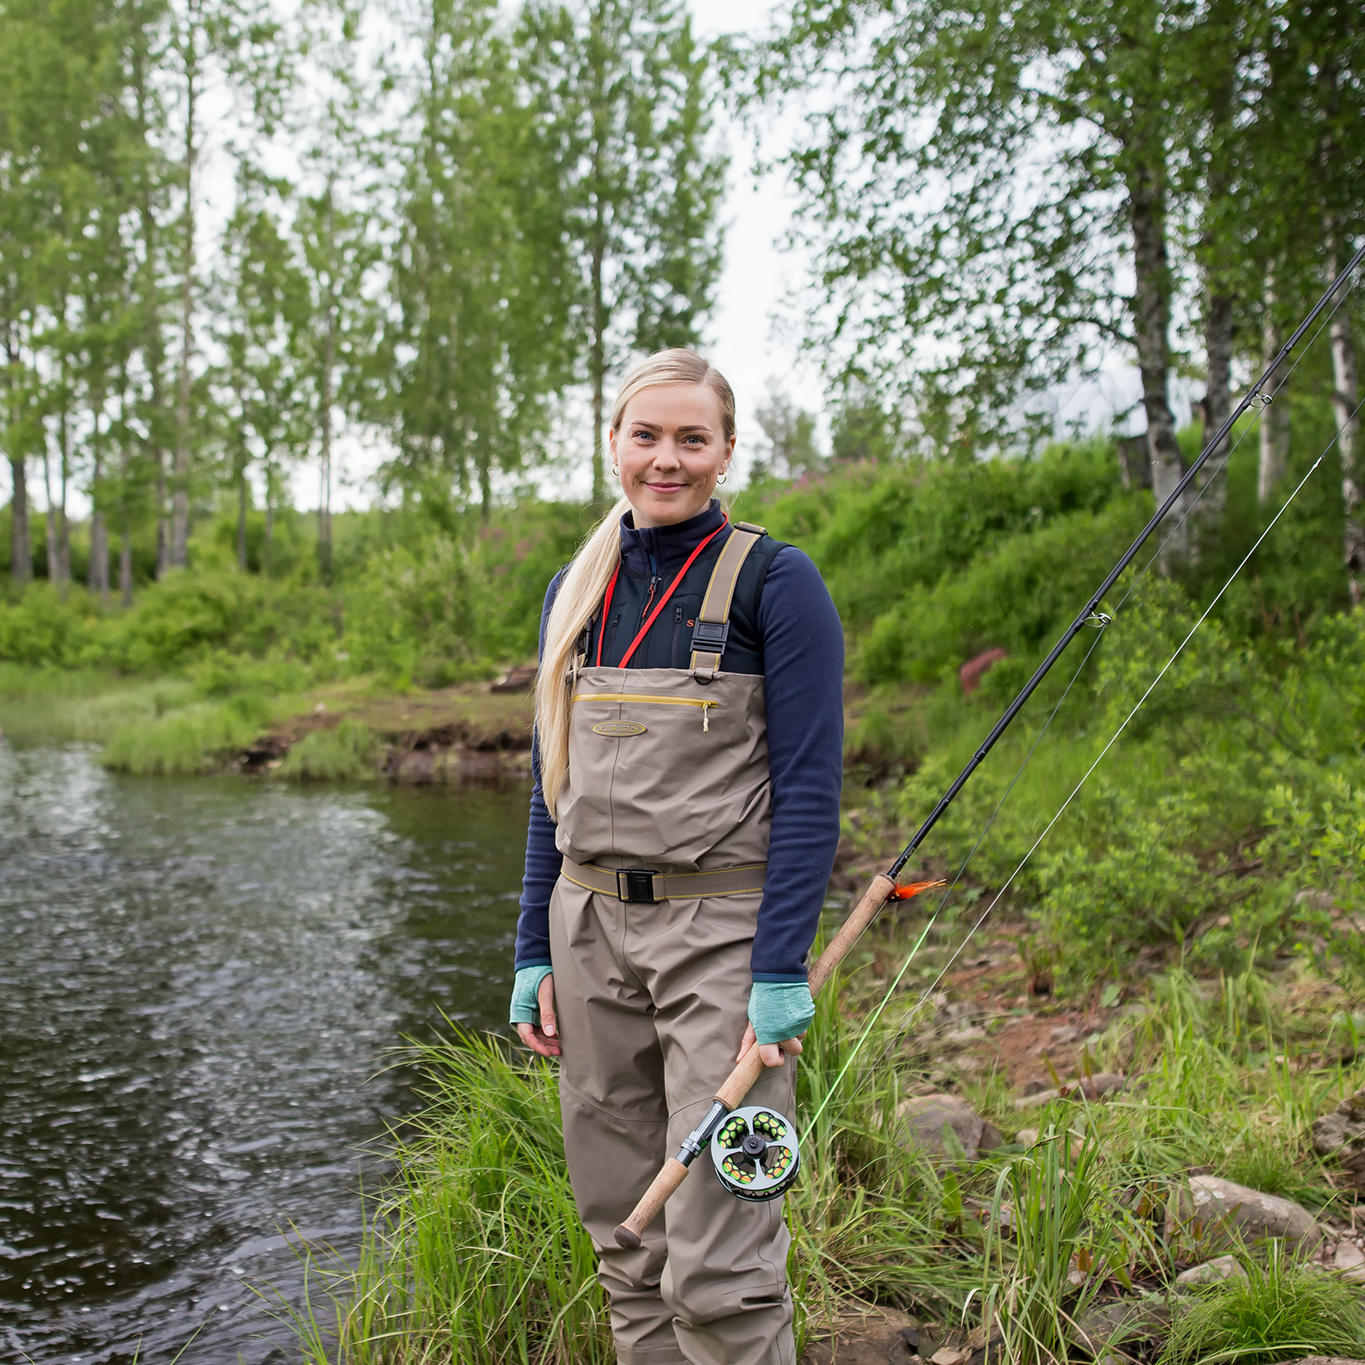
{"x":884,"y":888}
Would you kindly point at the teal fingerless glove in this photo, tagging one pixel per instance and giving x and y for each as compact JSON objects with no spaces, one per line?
{"x":525,"y":1000}
{"x":779,"y":1010}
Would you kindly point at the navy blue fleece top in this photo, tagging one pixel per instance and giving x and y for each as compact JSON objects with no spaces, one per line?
{"x":800,"y":650}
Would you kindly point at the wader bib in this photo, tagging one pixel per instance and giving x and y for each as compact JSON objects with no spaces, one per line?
{"x":663,"y":824}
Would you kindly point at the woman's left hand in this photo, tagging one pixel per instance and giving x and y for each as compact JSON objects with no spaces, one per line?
{"x":777,"y":1008}
{"x":773,"y":1054}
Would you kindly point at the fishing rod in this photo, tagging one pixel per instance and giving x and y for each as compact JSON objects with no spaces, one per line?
{"x":767,"y":1157}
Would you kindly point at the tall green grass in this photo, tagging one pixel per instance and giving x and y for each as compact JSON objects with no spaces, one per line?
{"x":343,"y":753}
{"x":198,"y":738}
{"x":476,"y":1254}
{"x":1279,"y":1310}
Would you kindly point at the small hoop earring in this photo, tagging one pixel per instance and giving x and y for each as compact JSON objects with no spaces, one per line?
{"x":722,"y":477}
{"x":616,"y":471}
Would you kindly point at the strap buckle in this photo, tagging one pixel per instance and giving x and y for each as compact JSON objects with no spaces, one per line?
{"x":635,"y":885}
{"x":710,"y":636}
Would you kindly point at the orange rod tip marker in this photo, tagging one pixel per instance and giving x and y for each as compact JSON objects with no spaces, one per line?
{"x":903,"y":893}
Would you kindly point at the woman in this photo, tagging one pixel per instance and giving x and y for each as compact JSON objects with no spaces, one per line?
{"x":689,"y":730}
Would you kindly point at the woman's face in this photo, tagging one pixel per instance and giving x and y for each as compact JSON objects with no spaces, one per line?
{"x":670,"y":450}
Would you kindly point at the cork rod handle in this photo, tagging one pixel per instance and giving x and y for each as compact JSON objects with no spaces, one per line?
{"x":750,"y":1067}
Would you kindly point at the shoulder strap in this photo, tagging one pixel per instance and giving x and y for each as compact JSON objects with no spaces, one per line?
{"x":713,"y":620}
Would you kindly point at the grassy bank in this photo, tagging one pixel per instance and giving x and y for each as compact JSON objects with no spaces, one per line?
{"x":475,"y":1256}
{"x":263,"y":721}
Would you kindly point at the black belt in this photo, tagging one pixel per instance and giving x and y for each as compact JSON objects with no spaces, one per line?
{"x":641,"y":885}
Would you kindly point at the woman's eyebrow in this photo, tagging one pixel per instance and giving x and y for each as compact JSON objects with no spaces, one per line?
{"x":655,"y":426}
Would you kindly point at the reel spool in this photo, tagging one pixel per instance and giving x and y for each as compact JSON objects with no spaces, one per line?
{"x":755,"y":1153}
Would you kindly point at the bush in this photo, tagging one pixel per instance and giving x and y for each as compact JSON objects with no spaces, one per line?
{"x":343,"y":753}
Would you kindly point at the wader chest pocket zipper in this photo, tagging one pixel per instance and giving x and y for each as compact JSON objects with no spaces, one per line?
{"x":604,"y":727}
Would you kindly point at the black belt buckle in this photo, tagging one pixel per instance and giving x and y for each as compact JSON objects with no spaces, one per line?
{"x":635,"y":885}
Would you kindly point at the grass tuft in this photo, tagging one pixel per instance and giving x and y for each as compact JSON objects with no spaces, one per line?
{"x":476,"y":1255}
{"x":1282,"y":1309}
{"x":342,"y":753}
{"x":194,"y":739}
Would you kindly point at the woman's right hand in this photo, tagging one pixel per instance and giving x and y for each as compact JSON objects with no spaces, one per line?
{"x":543,"y":1037}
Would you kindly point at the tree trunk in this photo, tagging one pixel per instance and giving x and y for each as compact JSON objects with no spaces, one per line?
{"x":597,"y":302}
{"x":60,"y":572}
{"x":241,"y":519}
{"x":178,"y":556}
{"x":153,"y":341}
{"x":125,"y":564}
{"x":97,"y":572}
{"x":51,"y":527}
{"x":1151,"y":307}
{"x":1345,"y":409}
{"x":269,"y":541}
{"x":328,"y":363}
{"x":1217,"y":406}
{"x":21,"y":554}
{"x":598,"y":365}
{"x":1274,"y":431}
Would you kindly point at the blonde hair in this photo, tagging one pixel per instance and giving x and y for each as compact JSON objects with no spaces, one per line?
{"x":584,"y":583}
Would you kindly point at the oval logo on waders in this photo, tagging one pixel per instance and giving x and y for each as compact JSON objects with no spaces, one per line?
{"x":618,"y":729}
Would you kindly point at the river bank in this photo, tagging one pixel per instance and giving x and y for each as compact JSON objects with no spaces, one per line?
{"x":349,"y":730}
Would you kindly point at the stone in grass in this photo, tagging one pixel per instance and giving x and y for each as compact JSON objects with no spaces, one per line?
{"x":1323,"y":1360}
{"x":867,"y":1336}
{"x":1096,"y":1087}
{"x":1349,"y":1260}
{"x":1109,"y":1326}
{"x":1211,"y":1272}
{"x":1216,"y":1213}
{"x":1339,"y":1137}
{"x":925,"y":1121}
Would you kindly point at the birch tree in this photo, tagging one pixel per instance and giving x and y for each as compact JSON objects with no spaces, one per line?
{"x":631,"y":97}
{"x":970,"y":178}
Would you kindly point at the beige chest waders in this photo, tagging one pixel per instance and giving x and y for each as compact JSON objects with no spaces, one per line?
{"x":663,"y":824}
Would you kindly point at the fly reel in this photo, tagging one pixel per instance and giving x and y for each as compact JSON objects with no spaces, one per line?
{"x":755,"y":1153}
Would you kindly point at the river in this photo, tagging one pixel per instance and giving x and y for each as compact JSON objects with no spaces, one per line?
{"x":205,"y":986}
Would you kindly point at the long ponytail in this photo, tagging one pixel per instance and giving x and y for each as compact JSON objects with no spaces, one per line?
{"x":580,"y":591}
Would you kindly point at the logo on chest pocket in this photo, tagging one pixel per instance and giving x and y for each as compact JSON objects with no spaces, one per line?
{"x":619,"y":729}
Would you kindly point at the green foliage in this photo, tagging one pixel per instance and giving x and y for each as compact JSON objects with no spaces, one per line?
{"x":932,"y":563}
{"x":1129,"y":881}
{"x":476,"y":1252}
{"x":197,"y":738}
{"x":1279,"y":1309}
{"x":343,"y":753}
{"x":41,"y":628}
{"x":1317,"y":836}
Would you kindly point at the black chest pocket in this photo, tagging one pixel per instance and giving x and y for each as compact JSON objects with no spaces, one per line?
{"x":682,"y":618}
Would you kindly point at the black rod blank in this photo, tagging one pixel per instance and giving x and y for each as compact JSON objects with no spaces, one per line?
{"x":1087,"y":612}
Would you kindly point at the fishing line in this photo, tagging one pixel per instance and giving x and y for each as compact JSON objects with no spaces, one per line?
{"x":1113,"y":739}
{"x":1103,"y":620}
